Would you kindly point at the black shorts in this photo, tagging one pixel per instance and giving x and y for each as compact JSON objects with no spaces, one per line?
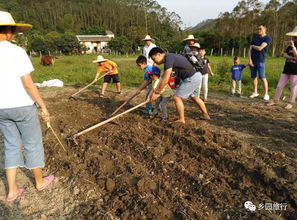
{"x":115,"y":78}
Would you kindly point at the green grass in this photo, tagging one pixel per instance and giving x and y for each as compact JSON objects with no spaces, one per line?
{"x":80,"y":70}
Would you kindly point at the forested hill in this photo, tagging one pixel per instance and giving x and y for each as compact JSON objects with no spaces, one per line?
{"x":130,"y":18}
{"x":208,"y":24}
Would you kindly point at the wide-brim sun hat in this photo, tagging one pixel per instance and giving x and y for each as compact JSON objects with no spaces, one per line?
{"x":99,"y":59}
{"x":195,"y":45}
{"x":190,"y":37}
{"x":147,"y":37}
{"x":7,"y":20}
{"x":292,"y":33}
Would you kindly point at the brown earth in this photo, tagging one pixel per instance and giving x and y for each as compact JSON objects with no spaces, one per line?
{"x":135,"y":168}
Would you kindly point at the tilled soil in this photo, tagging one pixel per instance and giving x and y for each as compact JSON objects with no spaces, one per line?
{"x":136,"y":168}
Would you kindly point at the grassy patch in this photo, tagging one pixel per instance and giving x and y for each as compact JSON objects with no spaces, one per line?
{"x":80,"y":70}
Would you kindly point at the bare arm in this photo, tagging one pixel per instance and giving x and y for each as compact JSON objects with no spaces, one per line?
{"x":287,"y":56}
{"x":250,"y":57}
{"x":261,"y":47}
{"x":34,"y":93}
{"x":209,"y":69}
{"x":97,"y":76}
{"x":293,"y":49}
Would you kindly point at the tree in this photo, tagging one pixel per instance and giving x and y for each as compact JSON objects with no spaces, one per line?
{"x":121,"y":44}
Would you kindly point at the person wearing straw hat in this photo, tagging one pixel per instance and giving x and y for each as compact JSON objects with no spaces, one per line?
{"x":19,"y":120}
{"x":289,"y":73}
{"x":110,"y":68}
{"x":191,"y":40}
{"x":147,"y":48}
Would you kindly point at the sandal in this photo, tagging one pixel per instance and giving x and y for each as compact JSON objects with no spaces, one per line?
{"x":289,"y":106}
{"x":206,"y":119}
{"x":49,"y":179}
{"x":21,"y":191}
{"x":271,"y":103}
{"x":101,"y":95}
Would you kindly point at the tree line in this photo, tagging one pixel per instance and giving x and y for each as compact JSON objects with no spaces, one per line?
{"x":55,"y":21}
{"x":235,"y":29}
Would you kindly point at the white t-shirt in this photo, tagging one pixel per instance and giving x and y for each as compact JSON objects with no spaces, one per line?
{"x":14,"y":63}
{"x":146,"y":51}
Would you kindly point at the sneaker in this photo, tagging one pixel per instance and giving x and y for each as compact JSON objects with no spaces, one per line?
{"x":232,"y":94}
{"x":254,"y":95}
{"x":266,"y":97}
{"x":120,"y":93}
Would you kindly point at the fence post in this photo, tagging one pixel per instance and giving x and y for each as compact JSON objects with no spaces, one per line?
{"x":211,"y":52}
{"x":244,"y":51}
{"x":221,"y":52}
{"x":273,"y":51}
{"x":232,"y":53}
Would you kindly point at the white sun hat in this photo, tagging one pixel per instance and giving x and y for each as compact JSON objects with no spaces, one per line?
{"x":293,"y":33}
{"x":99,"y":59}
{"x":7,"y":20}
{"x":147,"y":37}
{"x":190,"y":37}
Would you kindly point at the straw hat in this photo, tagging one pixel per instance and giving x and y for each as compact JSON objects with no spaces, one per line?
{"x":190,"y":37}
{"x":99,"y":59}
{"x":293,"y":33}
{"x":195,"y":45}
{"x":147,"y":37}
{"x":7,"y":20}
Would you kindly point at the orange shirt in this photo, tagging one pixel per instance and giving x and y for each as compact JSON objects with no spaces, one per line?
{"x":108,"y":66}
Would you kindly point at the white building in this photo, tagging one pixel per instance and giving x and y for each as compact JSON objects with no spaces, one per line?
{"x":95,"y":43}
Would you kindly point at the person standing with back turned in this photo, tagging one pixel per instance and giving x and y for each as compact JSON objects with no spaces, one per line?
{"x":19,"y":120}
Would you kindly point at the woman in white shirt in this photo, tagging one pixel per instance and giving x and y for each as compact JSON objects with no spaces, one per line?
{"x":19,"y":119}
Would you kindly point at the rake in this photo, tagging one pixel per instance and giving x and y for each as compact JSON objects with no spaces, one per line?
{"x":106,"y":121}
{"x":50,"y":127}
{"x":82,"y":89}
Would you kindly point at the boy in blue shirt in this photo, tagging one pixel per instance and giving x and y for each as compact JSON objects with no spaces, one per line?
{"x":141,"y":62}
{"x":236,"y":75}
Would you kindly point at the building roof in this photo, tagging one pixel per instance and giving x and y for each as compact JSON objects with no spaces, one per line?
{"x":109,"y":32}
{"x":93,"y":38}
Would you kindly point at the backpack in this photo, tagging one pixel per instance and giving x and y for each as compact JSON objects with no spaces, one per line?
{"x":196,"y":60}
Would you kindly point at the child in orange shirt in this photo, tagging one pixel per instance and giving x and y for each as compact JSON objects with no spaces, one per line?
{"x":111,"y":68}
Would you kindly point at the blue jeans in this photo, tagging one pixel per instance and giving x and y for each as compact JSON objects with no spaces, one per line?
{"x":21,"y":126}
{"x":189,"y":87}
{"x":260,"y":68}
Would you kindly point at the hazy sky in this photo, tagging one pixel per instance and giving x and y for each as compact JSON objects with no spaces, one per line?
{"x":194,"y":11}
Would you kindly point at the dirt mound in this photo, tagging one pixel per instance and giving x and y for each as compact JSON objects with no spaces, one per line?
{"x":135,"y":168}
